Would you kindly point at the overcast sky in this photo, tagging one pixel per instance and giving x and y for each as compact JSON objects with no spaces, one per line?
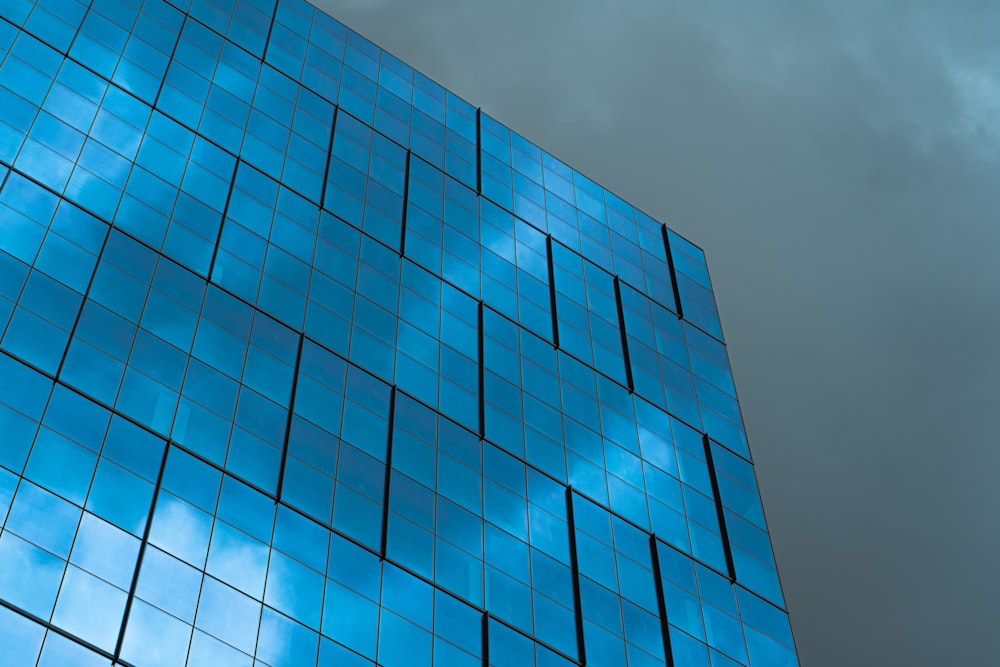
{"x":839,"y":162}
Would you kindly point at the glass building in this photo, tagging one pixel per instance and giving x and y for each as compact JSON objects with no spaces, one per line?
{"x":307,"y":361}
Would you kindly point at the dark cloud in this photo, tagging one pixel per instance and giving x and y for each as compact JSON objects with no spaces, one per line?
{"x":839,"y":164}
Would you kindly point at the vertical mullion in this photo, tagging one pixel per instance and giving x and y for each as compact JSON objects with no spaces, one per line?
{"x":222,"y":223}
{"x":142,"y":553}
{"x":90,"y":8}
{"x":479,"y":150}
{"x":62,"y":633}
{"x":673,"y":271}
{"x":624,"y":336}
{"x":83,"y":303}
{"x":406,"y":202}
{"x":661,"y":601}
{"x":384,"y":542}
{"x":486,"y":638}
{"x":170,"y":61}
{"x":720,"y":510}
{"x":482,"y":370}
{"x":267,"y":41}
{"x":288,"y":422}
{"x":329,"y":157}
{"x":575,"y":565}
{"x":552,"y":290}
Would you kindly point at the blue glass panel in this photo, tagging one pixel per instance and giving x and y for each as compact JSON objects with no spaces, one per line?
{"x":351,"y":619}
{"x":105,"y":551}
{"x":285,"y":643}
{"x":59,"y":650}
{"x":169,"y":584}
{"x":229,"y":615}
{"x":247,"y":509}
{"x":181,"y":529}
{"x":402,"y":643}
{"x":120,"y":497}
{"x":332,"y":654}
{"x":207,"y":651}
{"x":301,"y":538}
{"x":237,"y":559}
{"x":154,"y":637}
{"x":61,"y":466}
{"x":90,"y":608}
{"x":29,"y":576}
{"x":294,"y":590}
{"x":43,"y":519}
{"x":21,"y":637}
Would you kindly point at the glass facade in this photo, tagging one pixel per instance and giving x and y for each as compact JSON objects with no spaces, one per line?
{"x":304,"y":360}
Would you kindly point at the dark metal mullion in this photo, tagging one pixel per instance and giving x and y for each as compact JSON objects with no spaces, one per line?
{"x":575,"y":565}
{"x":270,"y":29}
{"x":384,"y":541}
{"x":72,"y":42}
{"x":720,"y":510}
{"x":624,"y":336}
{"x":486,"y":638}
{"x":142,"y":553}
{"x":672,"y":270}
{"x":406,"y":203}
{"x":63,"y":633}
{"x":288,"y":421}
{"x":173,"y":54}
{"x":661,"y":601}
{"x":552,"y":290}
{"x":527,"y":635}
{"x":329,"y":157}
{"x":83,"y":302}
{"x":482,"y":369}
{"x":222,"y":222}
{"x":479,"y":150}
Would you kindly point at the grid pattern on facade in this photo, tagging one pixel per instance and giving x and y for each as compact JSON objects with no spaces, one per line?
{"x":304,"y":360}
